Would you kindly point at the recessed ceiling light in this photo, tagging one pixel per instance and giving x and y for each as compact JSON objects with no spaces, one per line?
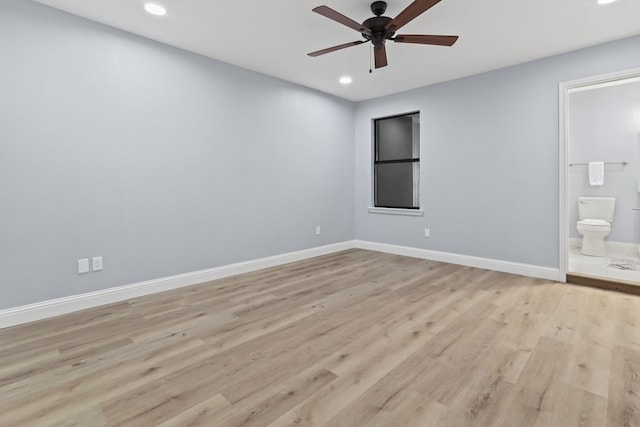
{"x":605,"y":1}
{"x":155,"y":9}
{"x":345,"y":80}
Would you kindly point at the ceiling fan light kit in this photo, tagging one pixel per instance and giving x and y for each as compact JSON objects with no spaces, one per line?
{"x":378,"y":29}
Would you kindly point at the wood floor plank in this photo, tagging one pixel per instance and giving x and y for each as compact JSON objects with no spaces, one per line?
{"x":279,"y":398}
{"x":627,"y":322}
{"x":364,"y":366}
{"x":483,"y":403}
{"x":537,"y":386}
{"x":199,"y":415}
{"x":87,"y":417}
{"x":354,"y":338}
{"x":413,"y":411}
{"x":577,"y":407}
{"x":624,"y":388}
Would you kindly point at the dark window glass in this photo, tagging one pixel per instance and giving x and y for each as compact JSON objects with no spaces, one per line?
{"x":397,"y":161}
{"x":395,"y":139}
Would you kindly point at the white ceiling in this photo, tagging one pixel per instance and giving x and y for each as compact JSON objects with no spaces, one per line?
{"x":273,"y":37}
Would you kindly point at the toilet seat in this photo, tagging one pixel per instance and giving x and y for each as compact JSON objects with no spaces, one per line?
{"x":594,"y":223}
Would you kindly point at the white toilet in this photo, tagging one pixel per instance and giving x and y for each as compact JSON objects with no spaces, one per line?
{"x":595,"y":215}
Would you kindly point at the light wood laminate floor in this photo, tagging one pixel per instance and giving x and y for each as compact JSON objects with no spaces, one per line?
{"x":356,"y":338}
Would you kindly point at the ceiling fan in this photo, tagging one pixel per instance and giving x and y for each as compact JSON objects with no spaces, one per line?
{"x":379,"y":29}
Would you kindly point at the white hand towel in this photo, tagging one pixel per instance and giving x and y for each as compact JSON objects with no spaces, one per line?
{"x":596,"y":173}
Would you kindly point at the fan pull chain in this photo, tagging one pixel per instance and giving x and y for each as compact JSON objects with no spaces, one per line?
{"x":371,"y":60}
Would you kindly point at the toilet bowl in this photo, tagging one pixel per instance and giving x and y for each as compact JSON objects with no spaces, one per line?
{"x":593,"y":233}
{"x":595,"y":217}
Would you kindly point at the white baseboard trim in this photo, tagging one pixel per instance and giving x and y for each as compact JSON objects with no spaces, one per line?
{"x":46,"y":309}
{"x":42,"y":310}
{"x":470,"y":261}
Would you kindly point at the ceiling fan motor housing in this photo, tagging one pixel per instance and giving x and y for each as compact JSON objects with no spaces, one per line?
{"x":377,"y":26}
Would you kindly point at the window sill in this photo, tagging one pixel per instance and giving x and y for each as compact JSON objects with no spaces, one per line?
{"x":393,"y":211}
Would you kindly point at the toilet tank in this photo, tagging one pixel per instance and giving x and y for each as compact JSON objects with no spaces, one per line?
{"x":596,"y":208}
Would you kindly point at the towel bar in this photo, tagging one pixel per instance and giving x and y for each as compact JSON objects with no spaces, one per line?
{"x":623,"y":163}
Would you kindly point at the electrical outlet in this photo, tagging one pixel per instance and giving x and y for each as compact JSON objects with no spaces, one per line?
{"x":317,"y":230}
{"x":427,"y":232}
{"x":96,"y":263}
{"x":83,"y":266}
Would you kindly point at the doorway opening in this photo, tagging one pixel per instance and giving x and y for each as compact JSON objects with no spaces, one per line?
{"x":600,"y":181}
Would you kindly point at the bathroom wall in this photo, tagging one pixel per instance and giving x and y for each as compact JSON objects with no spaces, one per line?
{"x":604,"y":125}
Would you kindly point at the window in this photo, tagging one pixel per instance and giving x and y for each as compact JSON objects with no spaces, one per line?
{"x":396,"y":166}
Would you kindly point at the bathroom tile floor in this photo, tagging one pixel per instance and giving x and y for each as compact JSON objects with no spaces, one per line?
{"x":621,"y":265}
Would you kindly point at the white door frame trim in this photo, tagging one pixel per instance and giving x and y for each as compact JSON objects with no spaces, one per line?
{"x":563,"y":144}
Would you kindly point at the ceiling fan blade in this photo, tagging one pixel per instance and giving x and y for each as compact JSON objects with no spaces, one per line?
{"x":410,"y":13}
{"x":425,"y":39}
{"x":340,"y":18}
{"x":380,"y":55}
{"x":334,"y":48}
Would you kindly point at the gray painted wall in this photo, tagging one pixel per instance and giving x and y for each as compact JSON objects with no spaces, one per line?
{"x":161,"y":161}
{"x":604,"y":125}
{"x":489,"y":157}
